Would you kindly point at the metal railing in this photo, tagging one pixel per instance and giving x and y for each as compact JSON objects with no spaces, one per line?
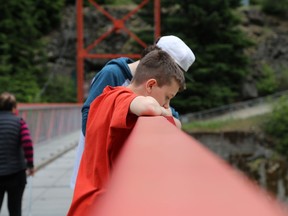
{"x":230,"y":108}
{"x":173,"y":174}
{"x":47,"y":121}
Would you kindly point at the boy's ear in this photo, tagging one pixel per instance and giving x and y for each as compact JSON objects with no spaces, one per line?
{"x":150,"y":84}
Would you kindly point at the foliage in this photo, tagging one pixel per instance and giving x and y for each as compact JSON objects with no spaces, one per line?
{"x":60,"y":89}
{"x":47,"y":14}
{"x":70,"y":2}
{"x":223,"y":125}
{"x":256,"y":2}
{"x":22,"y":56}
{"x":106,"y":2}
{"x":279,"y":8}
{"x":267,"y":84}
{"x":205,"y":126}
{"x":283,"y":78}
{"x":17,"y":49}
{"x":117,"y":2}
{"x":210,"y":29}
{"x":276,"y":125}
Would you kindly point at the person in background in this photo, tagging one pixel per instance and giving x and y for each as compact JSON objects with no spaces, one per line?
{"x":119,"y":72}
{"x":16,"y":154}
{"x":112,"y":117}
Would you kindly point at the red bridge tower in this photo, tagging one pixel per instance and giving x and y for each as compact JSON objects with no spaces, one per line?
{"x":118,"y":24}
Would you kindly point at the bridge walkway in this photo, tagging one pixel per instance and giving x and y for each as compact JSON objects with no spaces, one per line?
{"x":48,"y":192}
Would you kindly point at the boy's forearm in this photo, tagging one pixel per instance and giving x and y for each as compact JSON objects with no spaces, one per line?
{"x":148,"y":106}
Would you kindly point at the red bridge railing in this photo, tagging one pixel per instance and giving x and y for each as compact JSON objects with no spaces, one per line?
{"x":47,"y":121}
{"x":163,"y":171}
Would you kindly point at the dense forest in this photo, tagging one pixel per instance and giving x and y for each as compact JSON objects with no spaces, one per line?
{"x":210,"y":28}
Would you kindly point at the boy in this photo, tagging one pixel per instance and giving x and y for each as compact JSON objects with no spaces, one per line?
{"x":118,"y":72}
{"x":112,"y":116}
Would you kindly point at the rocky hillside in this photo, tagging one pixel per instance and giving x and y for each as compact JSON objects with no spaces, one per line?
{"x":61,"y":48}
{"x":269,"y":34}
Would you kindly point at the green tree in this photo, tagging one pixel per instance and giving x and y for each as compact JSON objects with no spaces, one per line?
{"x":55,"y":93}
{"x":48,"y":14}
{"x":22,"y":56}
{"x":276,"y":126}
{"x":279,"y":8}
{"x":17,"y":49}
{"x":267,"y":84}
{"x":210,"y":28}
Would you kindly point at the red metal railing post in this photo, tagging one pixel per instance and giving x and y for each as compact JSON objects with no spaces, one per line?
{"x":80,"y":52}
{"x":51,"y":124}
{"x":157,"y":19}
{"x":38,"y":126}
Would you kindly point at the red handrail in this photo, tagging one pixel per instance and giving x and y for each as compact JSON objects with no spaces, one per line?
{"x":163,"y":171}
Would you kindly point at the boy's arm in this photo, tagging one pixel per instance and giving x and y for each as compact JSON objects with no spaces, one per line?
{"x":147,"y":106}
{"x":176,"y":120}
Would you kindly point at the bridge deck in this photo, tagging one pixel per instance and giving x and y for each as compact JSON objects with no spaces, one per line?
{"x":48,"y":192}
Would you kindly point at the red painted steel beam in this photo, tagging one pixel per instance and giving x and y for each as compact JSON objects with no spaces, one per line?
{"x":51,"y":124}
{"x":38,"y":126}
{"x":157,"y":19}
{"x":163,"y":171}
{"x":118,"y":24}
{"x":80,"y":51}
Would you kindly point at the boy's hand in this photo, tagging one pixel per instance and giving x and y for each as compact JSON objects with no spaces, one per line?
{"x":166,"y":112}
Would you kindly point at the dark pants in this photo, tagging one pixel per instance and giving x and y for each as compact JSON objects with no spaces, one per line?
{"x":14,"y":186}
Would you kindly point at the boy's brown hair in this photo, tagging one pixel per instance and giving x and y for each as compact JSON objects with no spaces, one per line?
{"x":7,"y":101}
{"x":148,"y":49}
{"x":158,"y":65}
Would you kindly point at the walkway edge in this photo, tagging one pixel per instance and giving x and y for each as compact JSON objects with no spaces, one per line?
{"x":48,"y":151}
{"x":52,"y":158}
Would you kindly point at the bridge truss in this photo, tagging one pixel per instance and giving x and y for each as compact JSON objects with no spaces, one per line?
{"x":118,"y":24}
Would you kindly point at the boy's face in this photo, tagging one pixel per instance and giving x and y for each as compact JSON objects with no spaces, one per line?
{"x":165,"y":93}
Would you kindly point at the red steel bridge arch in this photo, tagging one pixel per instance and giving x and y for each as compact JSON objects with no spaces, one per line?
{"x":118,"y":24}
